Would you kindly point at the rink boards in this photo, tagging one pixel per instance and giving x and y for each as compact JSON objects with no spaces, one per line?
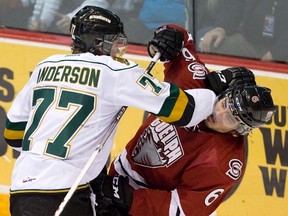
{"x":263,"y":190}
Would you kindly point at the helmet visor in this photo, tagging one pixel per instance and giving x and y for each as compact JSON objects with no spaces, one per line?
{"x":119,"y":46}
{"x":242,"y":127}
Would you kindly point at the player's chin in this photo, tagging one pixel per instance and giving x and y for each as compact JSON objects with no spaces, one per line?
{"x":214,"y":126}
{"x":209,"y":124}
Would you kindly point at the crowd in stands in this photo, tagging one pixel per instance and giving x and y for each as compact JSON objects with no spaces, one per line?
{"x":243,"y":28}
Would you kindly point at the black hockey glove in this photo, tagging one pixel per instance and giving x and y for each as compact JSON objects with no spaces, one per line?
{"x":168,"y":41}
{"x":113,"y":195}
{"x":219,"y":81}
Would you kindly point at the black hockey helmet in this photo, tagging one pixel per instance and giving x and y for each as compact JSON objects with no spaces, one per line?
{"x":95,"y":30}
{"x":252,"y":106}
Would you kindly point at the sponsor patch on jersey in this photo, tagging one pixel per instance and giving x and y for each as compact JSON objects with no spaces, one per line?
{"x":159,"y":146}
{"x":235,"y":169}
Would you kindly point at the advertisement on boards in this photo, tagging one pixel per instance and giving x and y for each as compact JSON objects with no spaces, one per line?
{"x":263,"y":190}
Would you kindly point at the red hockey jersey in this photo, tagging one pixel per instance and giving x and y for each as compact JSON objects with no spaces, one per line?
{"x":180,"y":171}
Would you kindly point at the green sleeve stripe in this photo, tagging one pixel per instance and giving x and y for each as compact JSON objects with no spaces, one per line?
{"x":170,"y":101}
{"x":19,"y":126}
{"x":188,"y":113}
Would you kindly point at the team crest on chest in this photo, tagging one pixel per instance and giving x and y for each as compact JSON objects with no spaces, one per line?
{"x":198,"y":70}
{"x":159,"y":146}
{"x":235,"y":169}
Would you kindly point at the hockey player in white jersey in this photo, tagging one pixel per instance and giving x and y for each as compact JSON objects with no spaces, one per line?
{"x":60,"y":116}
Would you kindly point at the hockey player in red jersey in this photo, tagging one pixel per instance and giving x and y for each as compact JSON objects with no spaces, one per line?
{"x":188,"y":171}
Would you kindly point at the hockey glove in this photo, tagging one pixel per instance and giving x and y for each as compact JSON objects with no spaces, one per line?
{"x":168,"y":41}
{"x":219,"y":81}
{"x":112,"y":191}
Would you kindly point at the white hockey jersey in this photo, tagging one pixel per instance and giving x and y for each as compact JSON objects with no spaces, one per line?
{"x":63,"y":112}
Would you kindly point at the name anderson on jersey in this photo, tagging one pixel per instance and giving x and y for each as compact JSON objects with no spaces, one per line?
{"x":64,"y":73}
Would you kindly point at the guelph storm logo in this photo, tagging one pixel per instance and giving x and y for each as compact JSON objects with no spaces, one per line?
{"x":162,"y":146}
{"x":235,"y":169}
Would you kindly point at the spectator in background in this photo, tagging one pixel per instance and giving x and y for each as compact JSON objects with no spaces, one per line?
{"x":63,"y":20}
{"x":126,"y":8}
{"x":150,"y":15}
{"x":8,"y":9}
{"x":140,"y":16}
{"x":155,"y":13}
{"x":216,"y":19}
{"x":43,"y":14}
{"x":6,"y":5}
{"x":263,"y":32}
{"x":55,"y":15}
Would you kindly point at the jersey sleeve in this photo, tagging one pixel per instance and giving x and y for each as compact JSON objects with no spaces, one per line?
{"x":18,"y":114}
{"x":165,"y":100}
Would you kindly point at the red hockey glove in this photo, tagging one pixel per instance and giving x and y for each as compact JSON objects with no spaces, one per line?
{"x":168,"y":41}
{"x":219,"y":81}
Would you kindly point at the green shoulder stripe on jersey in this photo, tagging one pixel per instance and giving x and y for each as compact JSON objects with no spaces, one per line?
{"x":52,"y":191}
{"x":178,"y":108}
{"x":100,"y":63}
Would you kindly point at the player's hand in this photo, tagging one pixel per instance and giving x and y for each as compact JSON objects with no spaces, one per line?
{"x":168,"y":41}
{"x":219,"y":81}
{"x":213,"y":38}
{"x":114,"y":192}
{"x":36,"y":25}
{"x":267,"y":57}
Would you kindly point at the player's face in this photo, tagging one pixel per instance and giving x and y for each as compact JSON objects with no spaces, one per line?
{"x":222,"y":119}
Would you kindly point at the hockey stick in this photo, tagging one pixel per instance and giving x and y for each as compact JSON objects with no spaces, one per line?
{"x":95,"y":153}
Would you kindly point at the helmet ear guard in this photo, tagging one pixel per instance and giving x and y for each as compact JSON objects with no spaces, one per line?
{"x":251,"y":105}
{"x":94,"y":29}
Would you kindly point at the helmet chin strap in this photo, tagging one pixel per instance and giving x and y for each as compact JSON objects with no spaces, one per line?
{"x":96,"y":49}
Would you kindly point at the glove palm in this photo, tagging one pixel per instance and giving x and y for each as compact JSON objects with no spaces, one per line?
{"x":168,"y":41}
